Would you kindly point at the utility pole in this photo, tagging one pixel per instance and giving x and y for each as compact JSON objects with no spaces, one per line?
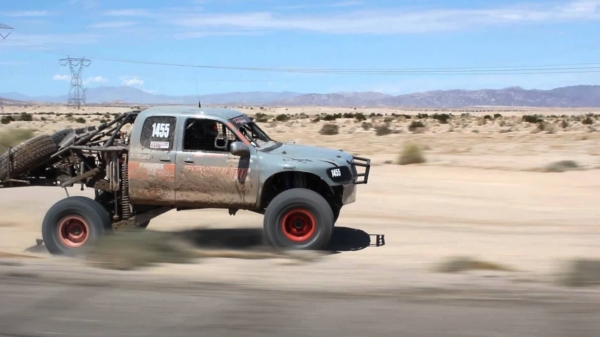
{"x":3,"y":29}
{"x":76,"y":93}
{"x":4,"y":33}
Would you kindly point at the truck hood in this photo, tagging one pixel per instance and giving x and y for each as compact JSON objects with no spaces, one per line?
{"x":307,"y":152}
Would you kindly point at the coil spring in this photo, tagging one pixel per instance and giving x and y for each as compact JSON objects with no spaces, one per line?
{"x":125,"y":206}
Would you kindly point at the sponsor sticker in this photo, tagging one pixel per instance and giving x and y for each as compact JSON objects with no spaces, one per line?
{"x":159,"y":145}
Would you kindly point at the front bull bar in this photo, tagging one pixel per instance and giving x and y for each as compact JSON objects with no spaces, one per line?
{"x":362,"y":162}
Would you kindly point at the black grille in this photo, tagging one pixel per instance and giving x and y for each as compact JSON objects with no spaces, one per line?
{"x":361,"y":162}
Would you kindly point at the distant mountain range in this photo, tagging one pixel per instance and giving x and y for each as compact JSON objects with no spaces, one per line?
{"x":573,"y":96}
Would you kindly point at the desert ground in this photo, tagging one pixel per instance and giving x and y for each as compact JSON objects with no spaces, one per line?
{"x":489,"y":219}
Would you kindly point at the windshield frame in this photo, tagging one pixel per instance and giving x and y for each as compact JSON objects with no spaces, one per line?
{"x":243,"y":121}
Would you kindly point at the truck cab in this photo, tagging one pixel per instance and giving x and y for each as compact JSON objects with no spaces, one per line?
{"x":193,"y":158}
{"x":219,"y":158}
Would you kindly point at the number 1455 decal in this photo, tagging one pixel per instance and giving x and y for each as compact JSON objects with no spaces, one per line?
{"x":160,"y":130}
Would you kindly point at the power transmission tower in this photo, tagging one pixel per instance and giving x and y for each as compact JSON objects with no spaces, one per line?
{"x":4,"y":35}
{"x":76,"y":93}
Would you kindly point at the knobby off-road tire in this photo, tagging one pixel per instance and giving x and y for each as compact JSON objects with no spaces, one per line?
{"x":58,"y":136}
{"x":336,"y":212}
{"x":299,"y":219}
{"x":27,"y":155}
{"x":74,"y":223}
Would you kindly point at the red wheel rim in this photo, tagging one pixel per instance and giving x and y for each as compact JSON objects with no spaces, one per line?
{"x":298,"y":225}
{"x":73,"y":231}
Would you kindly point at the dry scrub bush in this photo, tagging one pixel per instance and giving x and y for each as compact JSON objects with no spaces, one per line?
{"x":329,"y":129}
{"x":6,"y":119}
{"x":415,"y":126}
{"x":581,"y":273}
{"x":411,"y":154}
{"x":562,"y":166}
{"x":382,"y":130}
{"x":548,"y":127}
{"x":12,"y":137}
{"x":462,"y":264}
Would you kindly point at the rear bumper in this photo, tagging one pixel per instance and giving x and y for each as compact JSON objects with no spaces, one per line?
{"x":360,"y":162}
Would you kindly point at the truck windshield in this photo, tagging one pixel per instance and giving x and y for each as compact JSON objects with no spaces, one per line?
{"x":250,"y":130}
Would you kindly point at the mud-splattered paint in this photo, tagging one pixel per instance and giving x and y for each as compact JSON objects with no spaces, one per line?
{"x":215,"y":186}
{"x":152,"y":183}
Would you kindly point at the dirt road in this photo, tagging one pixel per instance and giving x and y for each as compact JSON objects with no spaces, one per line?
{"x":528,"y":221}
{"x":34,"y":308}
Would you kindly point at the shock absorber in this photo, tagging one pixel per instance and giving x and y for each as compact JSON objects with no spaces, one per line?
{"x":125,"y":206}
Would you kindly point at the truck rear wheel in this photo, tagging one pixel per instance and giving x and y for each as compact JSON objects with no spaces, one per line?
{"x":74,"y":223}
{"x":299,"y":219}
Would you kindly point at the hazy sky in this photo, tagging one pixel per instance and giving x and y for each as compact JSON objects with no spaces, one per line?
{"x":303,"y":34}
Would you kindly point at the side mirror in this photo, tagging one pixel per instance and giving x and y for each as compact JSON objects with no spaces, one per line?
{"x":239,"y":149}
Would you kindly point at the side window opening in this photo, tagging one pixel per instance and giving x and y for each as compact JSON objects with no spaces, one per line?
{"x":207,"y":135}
{"x":158,"y":133}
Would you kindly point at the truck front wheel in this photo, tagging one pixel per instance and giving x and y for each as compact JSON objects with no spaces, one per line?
{"x":299,"y":219}
{"x":74,"y":223}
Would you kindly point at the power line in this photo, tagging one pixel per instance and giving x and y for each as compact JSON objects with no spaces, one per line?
{"x":577,"y":68}
{"x":539,"y":69}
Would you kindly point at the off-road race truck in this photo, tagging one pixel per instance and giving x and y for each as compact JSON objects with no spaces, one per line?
{"x":184,"y":158}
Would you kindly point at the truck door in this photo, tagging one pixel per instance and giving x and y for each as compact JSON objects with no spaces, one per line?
{"x":152,"y":162}
{"x":208,"y":175}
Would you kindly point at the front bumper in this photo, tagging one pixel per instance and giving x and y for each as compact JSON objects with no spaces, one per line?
{"x":349,"y":194}
{"x":360,"y":162}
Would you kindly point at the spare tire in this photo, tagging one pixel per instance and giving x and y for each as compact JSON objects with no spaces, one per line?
{"x":58,"y":136}
{"x":27,"y":156}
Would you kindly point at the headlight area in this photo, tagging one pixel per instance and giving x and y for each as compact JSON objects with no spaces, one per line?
{"x":340,"y":174}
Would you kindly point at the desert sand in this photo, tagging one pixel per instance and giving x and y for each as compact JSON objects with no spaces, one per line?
{"x":487,"y":190}
{"x":496,"y":213}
